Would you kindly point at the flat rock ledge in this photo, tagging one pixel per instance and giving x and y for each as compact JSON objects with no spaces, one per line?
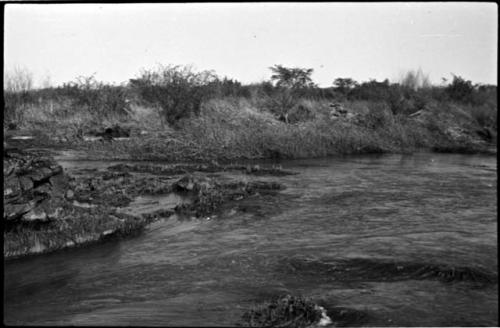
{"x":38,"y":216}
{"x":47,"y":210}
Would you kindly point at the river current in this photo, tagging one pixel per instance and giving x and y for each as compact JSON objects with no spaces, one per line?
{"x":405,"y":240}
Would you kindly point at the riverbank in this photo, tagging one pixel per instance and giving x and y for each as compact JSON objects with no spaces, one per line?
{"x":174,"y":113}
{"x":223,"y":138}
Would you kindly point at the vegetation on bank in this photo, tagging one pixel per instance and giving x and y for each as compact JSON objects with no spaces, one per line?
{"x":178,"y":113}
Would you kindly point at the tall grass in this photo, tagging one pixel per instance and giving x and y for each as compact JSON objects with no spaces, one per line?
{"x":229,"y":129}
{"x":198,"y":116}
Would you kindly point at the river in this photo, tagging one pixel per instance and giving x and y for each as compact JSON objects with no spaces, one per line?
{"x":368,"y":233}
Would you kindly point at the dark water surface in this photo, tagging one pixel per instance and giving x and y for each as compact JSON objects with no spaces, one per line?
{"x":407,"y":240}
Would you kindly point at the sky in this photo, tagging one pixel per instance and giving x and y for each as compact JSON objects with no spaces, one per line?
{"x":358,"y":40}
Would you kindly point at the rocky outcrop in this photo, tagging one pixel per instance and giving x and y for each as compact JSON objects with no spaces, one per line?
{"x":33,"y":187}
{"x":42,"y":212}
{"x":46,"y":210}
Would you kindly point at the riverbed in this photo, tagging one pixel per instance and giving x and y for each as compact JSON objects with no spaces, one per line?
{"x":402,"y":240}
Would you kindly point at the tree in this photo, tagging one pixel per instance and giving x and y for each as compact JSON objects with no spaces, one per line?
{"x":344,"y":85}
{"x":290,"y":82}
{"x":460,"y":89}
{"x":292,"y":78}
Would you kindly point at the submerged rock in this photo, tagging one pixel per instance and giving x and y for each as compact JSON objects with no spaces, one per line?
{"x":286,"y":311}
{"x":192,"y":183}
{"x":362,"y":269}
{"x":209,"y":194}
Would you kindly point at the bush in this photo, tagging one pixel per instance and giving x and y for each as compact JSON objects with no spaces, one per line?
{"x":484,"y":116}
{"x":220,"y":88}
{"x":301,"y":112}
{"x":379,"y":116}
{"x":372,"y":90}
{"x":460,"y":89}
{"x":485,"y":95}
{"x":178,"y":91}
{"x":97,"y":98}
{"x":281,"y":103}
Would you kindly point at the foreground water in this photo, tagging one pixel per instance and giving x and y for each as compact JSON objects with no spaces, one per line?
{"x":406,"y":240}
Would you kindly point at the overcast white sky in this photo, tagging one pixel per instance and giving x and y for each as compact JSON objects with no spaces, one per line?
{"x":358,"y":40}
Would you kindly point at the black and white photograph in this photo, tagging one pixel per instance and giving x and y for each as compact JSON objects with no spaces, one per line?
{"x":254,"y":164}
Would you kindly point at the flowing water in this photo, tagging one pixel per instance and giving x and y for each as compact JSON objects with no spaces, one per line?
{"x":405,"y":240}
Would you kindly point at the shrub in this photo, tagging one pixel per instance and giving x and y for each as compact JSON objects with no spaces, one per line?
{"x":300,"y":113}
{"x":460,"y":89}
{"x":281,"y":103}
{"x":372,"y":90}
{"x":178,"y":91}
{"x":484,"y":116}
{"x":225,"y":87}
{"x":100,"y":99}
{"x":379,"y":116}
{"x":485,"y":95}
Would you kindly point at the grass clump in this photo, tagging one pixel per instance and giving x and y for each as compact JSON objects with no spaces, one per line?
{"x":288,"y":311}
